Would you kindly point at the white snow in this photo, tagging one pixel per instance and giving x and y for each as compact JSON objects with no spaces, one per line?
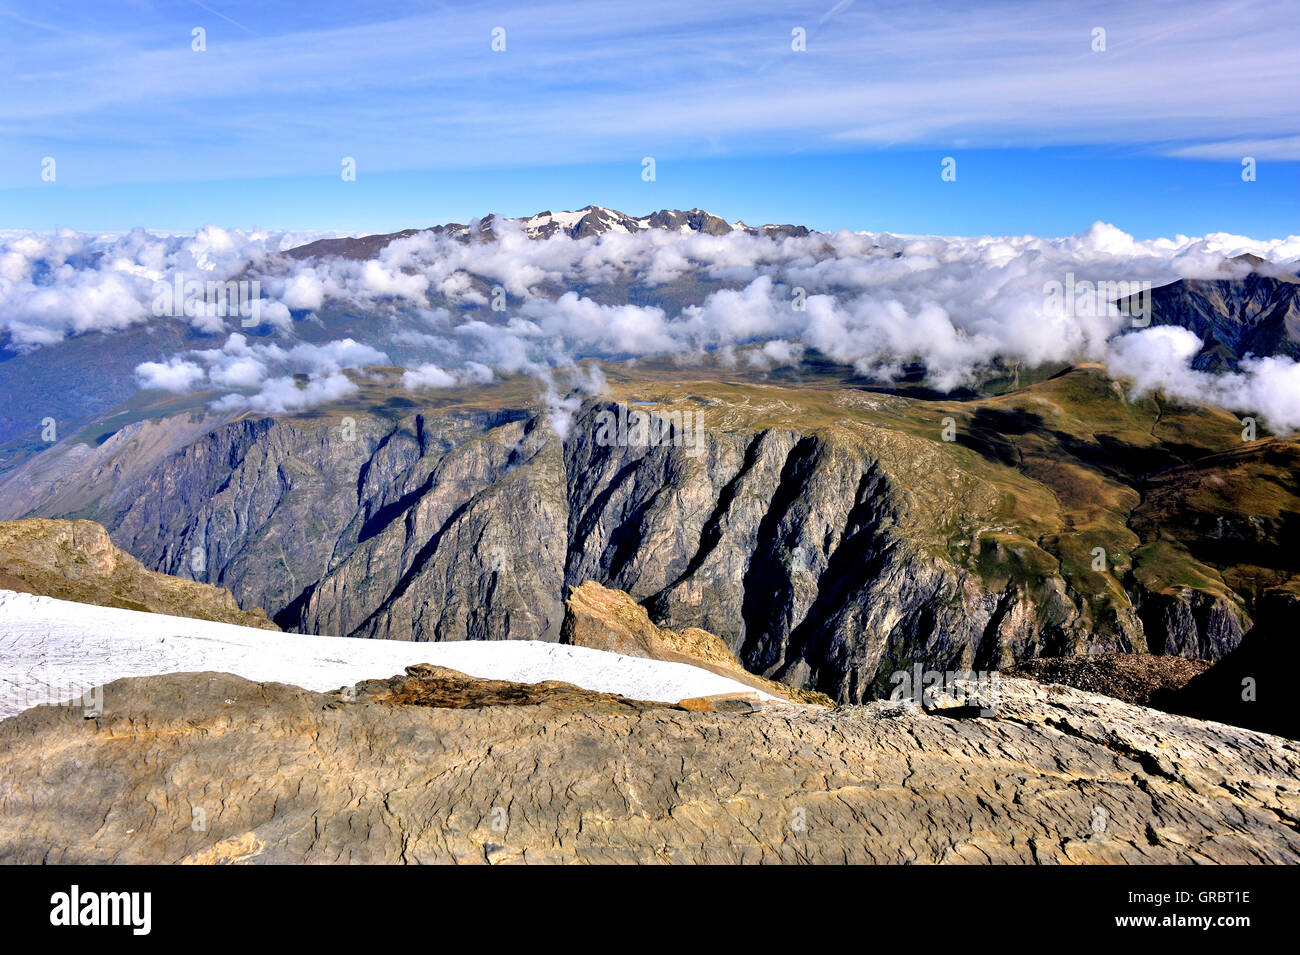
{"x":565,"y":220}
{"x":53,"y":651}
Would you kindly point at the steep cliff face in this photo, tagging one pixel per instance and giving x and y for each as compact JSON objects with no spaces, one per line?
{"x":462,"y":544}
{"x":794,"y":548}
{"x":829,"y":537}
{"x":1192,"y":623}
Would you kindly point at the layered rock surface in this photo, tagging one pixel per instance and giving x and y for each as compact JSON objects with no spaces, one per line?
{"x":435,"y":767}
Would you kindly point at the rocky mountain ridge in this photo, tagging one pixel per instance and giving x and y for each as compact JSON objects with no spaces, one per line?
{"x":580,"y":224}
{"x":1240,"y":315}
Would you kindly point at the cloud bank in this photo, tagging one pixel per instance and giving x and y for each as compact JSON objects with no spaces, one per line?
{"x":455,"y":313}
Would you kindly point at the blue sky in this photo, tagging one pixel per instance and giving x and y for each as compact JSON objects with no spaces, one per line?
{"x":1048,"y":133}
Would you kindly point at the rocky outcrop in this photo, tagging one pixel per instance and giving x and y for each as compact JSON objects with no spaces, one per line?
{"x":1192,"y":624}
{"x":1139,"y":678}
{"x":434,"y":767}
{"x":75,"y":560}
{"x":604,"y":619}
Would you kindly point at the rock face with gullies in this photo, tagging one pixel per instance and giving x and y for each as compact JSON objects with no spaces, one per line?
{"x":435,"y":767}
{"x":790,"y":547}
{"x":465,"y":544}
{"x":1192,"y":624}
{"x":75,"y":560}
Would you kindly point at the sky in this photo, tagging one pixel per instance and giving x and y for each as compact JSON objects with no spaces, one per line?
{"x":1049,"y":123}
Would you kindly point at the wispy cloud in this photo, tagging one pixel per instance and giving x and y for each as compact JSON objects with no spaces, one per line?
{"x":1284,"y":148}
{"x":280,"y":93}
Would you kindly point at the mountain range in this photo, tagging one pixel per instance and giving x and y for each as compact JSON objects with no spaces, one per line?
{"x":831,"y":530}
{"x":589,"y":221}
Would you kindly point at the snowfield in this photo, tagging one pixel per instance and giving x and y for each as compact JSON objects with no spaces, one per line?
{"x":53,"y":651}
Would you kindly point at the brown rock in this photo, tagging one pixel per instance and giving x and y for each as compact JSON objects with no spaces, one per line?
{"x":722,"y":703}
{"x":211,"y":768}
{"x":606,"y":619}
{"x":76,"y":560}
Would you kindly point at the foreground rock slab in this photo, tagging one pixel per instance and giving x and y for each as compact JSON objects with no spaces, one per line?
{"x":437,"y":767}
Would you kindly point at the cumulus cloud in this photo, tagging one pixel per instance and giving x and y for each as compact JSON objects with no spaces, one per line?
{"x":171,"y":375}
{"x":1160,"y":359}
{"x":259,"y":367}
{"x":425,"y":376}
{"x":66,"y":283}
{"x":284,"y":395}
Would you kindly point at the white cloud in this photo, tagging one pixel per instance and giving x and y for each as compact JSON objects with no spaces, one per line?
{"x":427,"y":376}
{"x":283,"y":395}
{"x":1160,"y":359}
{"x":303,"y":290}
{"x":171,"y":375}
{"x":1282,"y":148}
{"x":239,"y":364}
{"x":870,"y":300}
